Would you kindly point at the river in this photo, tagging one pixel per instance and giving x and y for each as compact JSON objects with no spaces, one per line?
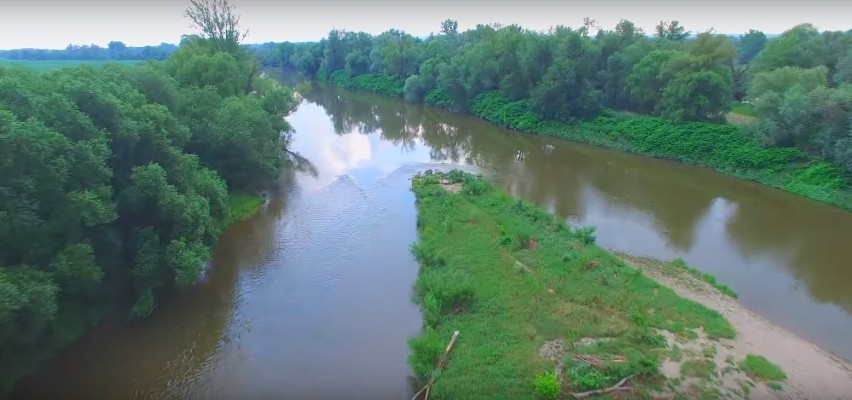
{"x":311,"y":297}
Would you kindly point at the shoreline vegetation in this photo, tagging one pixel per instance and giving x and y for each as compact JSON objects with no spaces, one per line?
{"x":772,"y":110}
{"x":545,"y":313}
{"x":119,"y":178}
{"x":242,"y":206}
{"x":725,"y":148}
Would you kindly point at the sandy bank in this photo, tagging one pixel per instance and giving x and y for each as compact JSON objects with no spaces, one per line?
{"x":812,"y":373}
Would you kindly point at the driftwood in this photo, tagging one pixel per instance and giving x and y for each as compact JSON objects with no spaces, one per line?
{"x":441,"y":363}
{"x":618,"y":387}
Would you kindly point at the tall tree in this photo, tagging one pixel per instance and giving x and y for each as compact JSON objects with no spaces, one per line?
{"x":450,"y":27}
{"x":218,"y":21}
{"x":671,"y":31}
{"x":750,"y":44}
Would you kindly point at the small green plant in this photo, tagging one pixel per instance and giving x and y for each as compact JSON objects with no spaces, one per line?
{"x":585,"y":377}
{"x":759,"y":368}
{"x":547,"y":385}
{"x":775,"y":386}
{"x":585,"y":234}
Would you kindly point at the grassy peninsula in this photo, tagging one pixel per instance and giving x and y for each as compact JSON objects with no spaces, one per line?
{"x":543,"y":312}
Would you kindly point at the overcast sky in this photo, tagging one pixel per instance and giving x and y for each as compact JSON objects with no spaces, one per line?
{"x":57,"y":23}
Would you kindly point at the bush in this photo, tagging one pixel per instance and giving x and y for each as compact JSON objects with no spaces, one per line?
{"x":496,"y":108}
{"x":439,"y":98}
{"x":585,"y":377}
{"x":426,"y":350}
{"x":585,"y":234}
{"x":442,"y":290}
{"x":475,"y":185}
{"x":547,"y":386}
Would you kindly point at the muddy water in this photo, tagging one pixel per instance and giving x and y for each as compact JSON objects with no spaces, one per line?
{"x":311,"y":297}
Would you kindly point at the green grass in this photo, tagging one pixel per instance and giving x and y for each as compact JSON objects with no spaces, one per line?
{"x":50,"y":65}
{"x":759,"y":368}
{"x":678,"y":262}
{"x":705,"y":369}
{"x":775,"y":386}
{"x":242,"y":206}
{"x":744,"y":109}
{"x":469,"y":246}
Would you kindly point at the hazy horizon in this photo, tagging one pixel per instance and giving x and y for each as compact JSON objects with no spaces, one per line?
{"x":54,"y":24}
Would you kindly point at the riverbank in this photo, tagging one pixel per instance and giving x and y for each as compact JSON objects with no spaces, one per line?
{"x":726,"y":148}
{"x":242,"y":206}
{"x":811,"y":373}
{"x":538,"y":303}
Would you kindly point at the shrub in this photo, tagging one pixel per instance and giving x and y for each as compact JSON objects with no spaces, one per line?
{"x":474,"y":185}
{"x":547,"y":385}
{"x":585,"y":377}
{"x":426,"y":350}
{"x":585,"y":234}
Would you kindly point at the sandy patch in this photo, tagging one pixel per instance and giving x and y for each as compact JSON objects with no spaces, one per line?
{"x":451,"y":187}
{"x":812,"y":373}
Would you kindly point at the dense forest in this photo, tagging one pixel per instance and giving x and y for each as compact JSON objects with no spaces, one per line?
{"x":115,"y":50}
{"x":668,"y":93}
{"x":115,"y":182}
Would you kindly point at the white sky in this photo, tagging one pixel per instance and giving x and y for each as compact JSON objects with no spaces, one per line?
{"x":57,"y":23}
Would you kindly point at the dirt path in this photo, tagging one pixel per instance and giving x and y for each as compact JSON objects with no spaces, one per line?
{"x":812,"y":373}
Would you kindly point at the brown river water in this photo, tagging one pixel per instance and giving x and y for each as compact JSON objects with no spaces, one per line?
{"x":311,"y":297}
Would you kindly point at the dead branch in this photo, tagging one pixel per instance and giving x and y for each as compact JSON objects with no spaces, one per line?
{"x":441,"y":363}
{"x":617,"y":387}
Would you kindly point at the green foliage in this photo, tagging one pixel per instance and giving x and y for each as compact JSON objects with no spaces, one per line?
{"x":504,"y":317}
{"x":439,"y":98}
{"x":53,"y":65}
{"x":115,"y":183}
{"x":495,"y":107}
{"x":242,"y":206}
{"x":375,"y":83}
{"x":585,"y":234}
{"x":796,"y":86}
{"x":426,"y":350}
{"x":547,"y":385}
{"x":759,"y":368}
{"x":584,"y":377}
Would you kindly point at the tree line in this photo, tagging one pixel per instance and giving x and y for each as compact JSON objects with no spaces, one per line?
{"x":115,"y":50}
{"x":794,"y":90}
{"x":115,"y":183}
